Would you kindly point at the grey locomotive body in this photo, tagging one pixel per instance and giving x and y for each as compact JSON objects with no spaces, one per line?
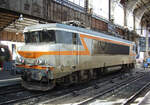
{"x":56,"y":53}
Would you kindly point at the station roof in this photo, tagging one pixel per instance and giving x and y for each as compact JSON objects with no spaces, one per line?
{"x":11,"y":21}
{"x":140,"y":8}
{"x":14,"y":22}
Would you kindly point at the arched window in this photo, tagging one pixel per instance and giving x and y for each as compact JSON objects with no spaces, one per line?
{"x":118,"y":14}
{"x":101,"y":8}
{"x":78,"y":2}
{"x":130,"y":21}
{"x":138,"y":26}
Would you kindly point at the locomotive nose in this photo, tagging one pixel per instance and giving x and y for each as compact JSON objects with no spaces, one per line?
{"x":38,"y":75}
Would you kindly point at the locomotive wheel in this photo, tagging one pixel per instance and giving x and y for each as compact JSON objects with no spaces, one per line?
{"x":132,"y":66}
{"x":129,"y":67}
{"x":28,"y":76}
{"x":68,"y":80}
{"x":87,"y":75}
{"x":126,"y":68}
{"x":84,"y":76}
{"x":52,"y":84}
{"x":95,"y":75}
{"x":74,"y":78}
{"x":81,"y":76}
{"x":103,"y":71}
{"x":122,"y":68}
{"x":91,"y":74}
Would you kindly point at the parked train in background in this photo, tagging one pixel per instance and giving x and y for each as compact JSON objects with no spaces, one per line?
{"x":5,"y":54}
{"x":59,"y":54}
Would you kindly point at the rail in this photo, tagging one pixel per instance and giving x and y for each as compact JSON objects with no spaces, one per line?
{"x":92,"y":88}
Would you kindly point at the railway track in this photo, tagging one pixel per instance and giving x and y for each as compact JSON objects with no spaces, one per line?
{"x":14,"y":93}
{"x":21,"y":96}
{"x":136,"y":94}
{"x":124,"y":94}
{"x":60,"y":91}
{"x":83,"y":96}
{"x":10,"y":101}
{"x":10,"y":89}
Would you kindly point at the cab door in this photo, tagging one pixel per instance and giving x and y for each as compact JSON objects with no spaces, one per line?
{"x":66,"y":49}
{"x":77,"y":44}
{"x":75,"y":48}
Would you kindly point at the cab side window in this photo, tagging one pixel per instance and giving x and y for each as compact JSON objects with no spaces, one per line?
{"x":67,"y":37}
{"x":64,"y":37}
{"x":74,"y":38}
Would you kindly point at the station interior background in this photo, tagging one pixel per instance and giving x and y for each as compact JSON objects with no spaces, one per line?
{"x":124,"y":18}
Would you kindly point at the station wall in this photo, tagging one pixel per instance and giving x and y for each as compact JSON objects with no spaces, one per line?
{"x":11,"y":36}
{"x":53,"y":11}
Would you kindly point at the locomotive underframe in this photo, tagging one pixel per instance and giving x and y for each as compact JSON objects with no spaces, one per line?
{"x":34,"y":79}
{"x":43,"y":80}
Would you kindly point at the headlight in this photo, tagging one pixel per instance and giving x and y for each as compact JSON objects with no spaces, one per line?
{"x":39,"y":62}
{"x":22,"y":61}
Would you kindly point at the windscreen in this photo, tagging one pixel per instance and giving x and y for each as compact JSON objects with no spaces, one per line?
{"x":40,"y":36}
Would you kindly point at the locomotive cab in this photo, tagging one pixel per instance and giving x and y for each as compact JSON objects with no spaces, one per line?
{"x":36,"y":68}
{"x":40,"y":55}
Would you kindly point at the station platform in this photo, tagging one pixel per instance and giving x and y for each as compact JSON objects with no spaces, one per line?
{"x":7,"y":79}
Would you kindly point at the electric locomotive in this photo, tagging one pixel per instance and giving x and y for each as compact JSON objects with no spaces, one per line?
{"x":59,"y":54}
